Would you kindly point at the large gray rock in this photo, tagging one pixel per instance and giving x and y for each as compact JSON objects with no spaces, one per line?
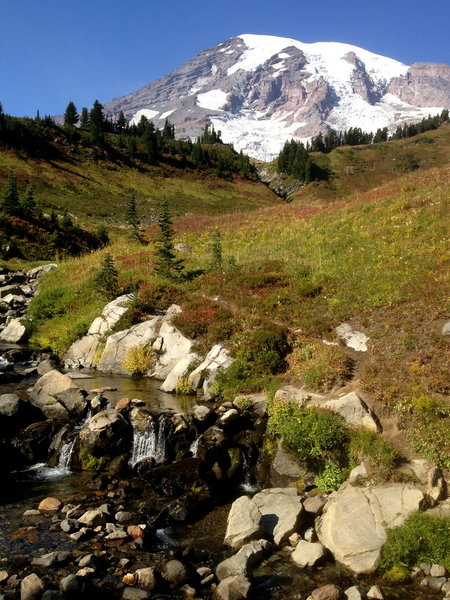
{"x":10,"y":405}
{"x":14,"y":332}
{"x":352,"y":338}
{"x":108,"y":433}
{"x":284,"y":468}
{"x":280,"y":509}
{"x":179,"y":372}
{"x":244,"y":522}
{"x":58,"y":396}
{"x":31,"y":587}
{"x":307,"y":554}
{"x":354,"y":523}
{"x":82,"y":352}
{"x":354,"y":411}
{"x":232,"y":588}
{"x":446,"y":328}
{"x":217,"y":360}
{"x":119,"y":344}
{"x":171,"y":346}
{"x":42,"y":270}
{"x":243,"y":562}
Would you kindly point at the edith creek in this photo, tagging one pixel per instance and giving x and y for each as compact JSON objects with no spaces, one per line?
{"x":187,"y":527}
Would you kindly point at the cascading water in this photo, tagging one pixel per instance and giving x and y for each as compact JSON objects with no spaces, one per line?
{"x":194,"y":446}
{"x":149,"y":444}
{"x":65,"y":455}
{"x":247,"y":486}
{"x":4,"y":364}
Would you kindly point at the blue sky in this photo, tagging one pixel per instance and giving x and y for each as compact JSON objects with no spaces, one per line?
{"x":54,"y":51}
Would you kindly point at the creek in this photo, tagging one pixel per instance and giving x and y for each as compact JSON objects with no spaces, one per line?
{"x":22,"y":537}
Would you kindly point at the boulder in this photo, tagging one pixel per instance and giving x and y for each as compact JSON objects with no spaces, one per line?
{"x":307,"y":554}
{"x":244,"y":522}
{"x":218,"y":359}
{"x":280,"y":509}
{"x":31,"y":587}
{"x":244,"y":561}
{"x":50,"y":505}
{"x":58,"y":397}
{"x":108,"y":433}
{"x":300,"y":396}
{"x":14,"y":332}
{"x":325,"y":592}
{"x":10,"y":405}
{"x":146,"y":578}
{"x":119,"y":344}
{"x":42,"y":270}
{"x":179,"y":372}
{"x":232,"y":588}
{"x":170,"y":346}
{"x":284,"y":468}
{"x":354,"y":411}
{"x":51,"y":559}
{"x":353,"y":525}
{"x":175,"y":573}
{"x":352,"y":338}
{"x":82,"y":352}
{"x":446,"y":328}
{"x":133,"y":593}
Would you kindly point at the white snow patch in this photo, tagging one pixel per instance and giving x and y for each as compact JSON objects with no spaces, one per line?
{"x":214,"y":69}
{"x":324,"y":58}
{"x":144,"y":112}
{"x":167,"y":114}
{"x":214,"y":99}
{"x":278,"y":65}
{"x":283,"y":55}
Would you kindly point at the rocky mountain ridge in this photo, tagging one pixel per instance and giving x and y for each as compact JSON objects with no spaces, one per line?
{"x":261,"y":90}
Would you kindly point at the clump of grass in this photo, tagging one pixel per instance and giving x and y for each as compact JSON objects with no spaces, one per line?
{"x":331,"y":478}
{"x":319,"y":366}
{"x":371,"y":448}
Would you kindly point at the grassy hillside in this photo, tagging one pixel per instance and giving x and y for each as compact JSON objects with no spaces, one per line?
{"x":356,"y":169}
{"x":94,"y":183}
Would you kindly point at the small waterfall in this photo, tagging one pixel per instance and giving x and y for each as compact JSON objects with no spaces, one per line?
{"x":4,"y":364}
{"x":247,"y":486}
{"x":149,"y":444}
{"x":194,"y":446}
{"x":65,"y":455}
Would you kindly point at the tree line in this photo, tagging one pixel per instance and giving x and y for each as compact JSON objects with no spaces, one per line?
{"x":294,"y":157}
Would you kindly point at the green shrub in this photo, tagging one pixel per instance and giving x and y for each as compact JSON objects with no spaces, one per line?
{"x":397,"y":574}
{"x":421,"y":538}
{"x":138,"y":360}
{"x":92,"y":463}
{"x":310,"y":433}
{"x":184,"y":387}
{"x":429,"y":435}
{"x":331,"y":478}
{"x":369,"y":446}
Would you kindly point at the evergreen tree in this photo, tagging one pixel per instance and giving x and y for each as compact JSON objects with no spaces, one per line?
{"x":29,"y":207}
{"x":70,"y":116}
{"x":131,"y":216}
{"x":11,"y":203}
{"x":121,"y":123}
{"x":96,"y":122}
{"x":84,"y":118}
{"x":106,"y":281}
{"x":167,"y":264}
{"x":216,"y":250}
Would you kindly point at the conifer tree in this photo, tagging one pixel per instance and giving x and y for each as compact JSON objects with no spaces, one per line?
{"x":167,"y":264}
{"x":106,"y":280}
{"x":121,"y":123}
{"x":11,"y":203}
{"x":216,"y":250}
{"x":131,"y":216}
{"x":96,"y":122}
{"x":70,"y":116}
{"x":28,"y":205}
{"x":84,"y":118}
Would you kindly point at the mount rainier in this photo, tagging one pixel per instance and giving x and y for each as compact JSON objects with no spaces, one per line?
{"x":261,"y":90}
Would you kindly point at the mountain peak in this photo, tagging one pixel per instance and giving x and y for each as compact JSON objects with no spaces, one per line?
{"x":260,"y":90}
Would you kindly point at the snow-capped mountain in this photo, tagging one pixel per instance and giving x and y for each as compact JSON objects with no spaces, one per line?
{"x":260,"y":90}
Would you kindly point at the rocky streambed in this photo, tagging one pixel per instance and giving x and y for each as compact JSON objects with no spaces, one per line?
{"x":112,"y":496}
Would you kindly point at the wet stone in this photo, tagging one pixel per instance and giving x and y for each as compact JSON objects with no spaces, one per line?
{"x":31,"y":587}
